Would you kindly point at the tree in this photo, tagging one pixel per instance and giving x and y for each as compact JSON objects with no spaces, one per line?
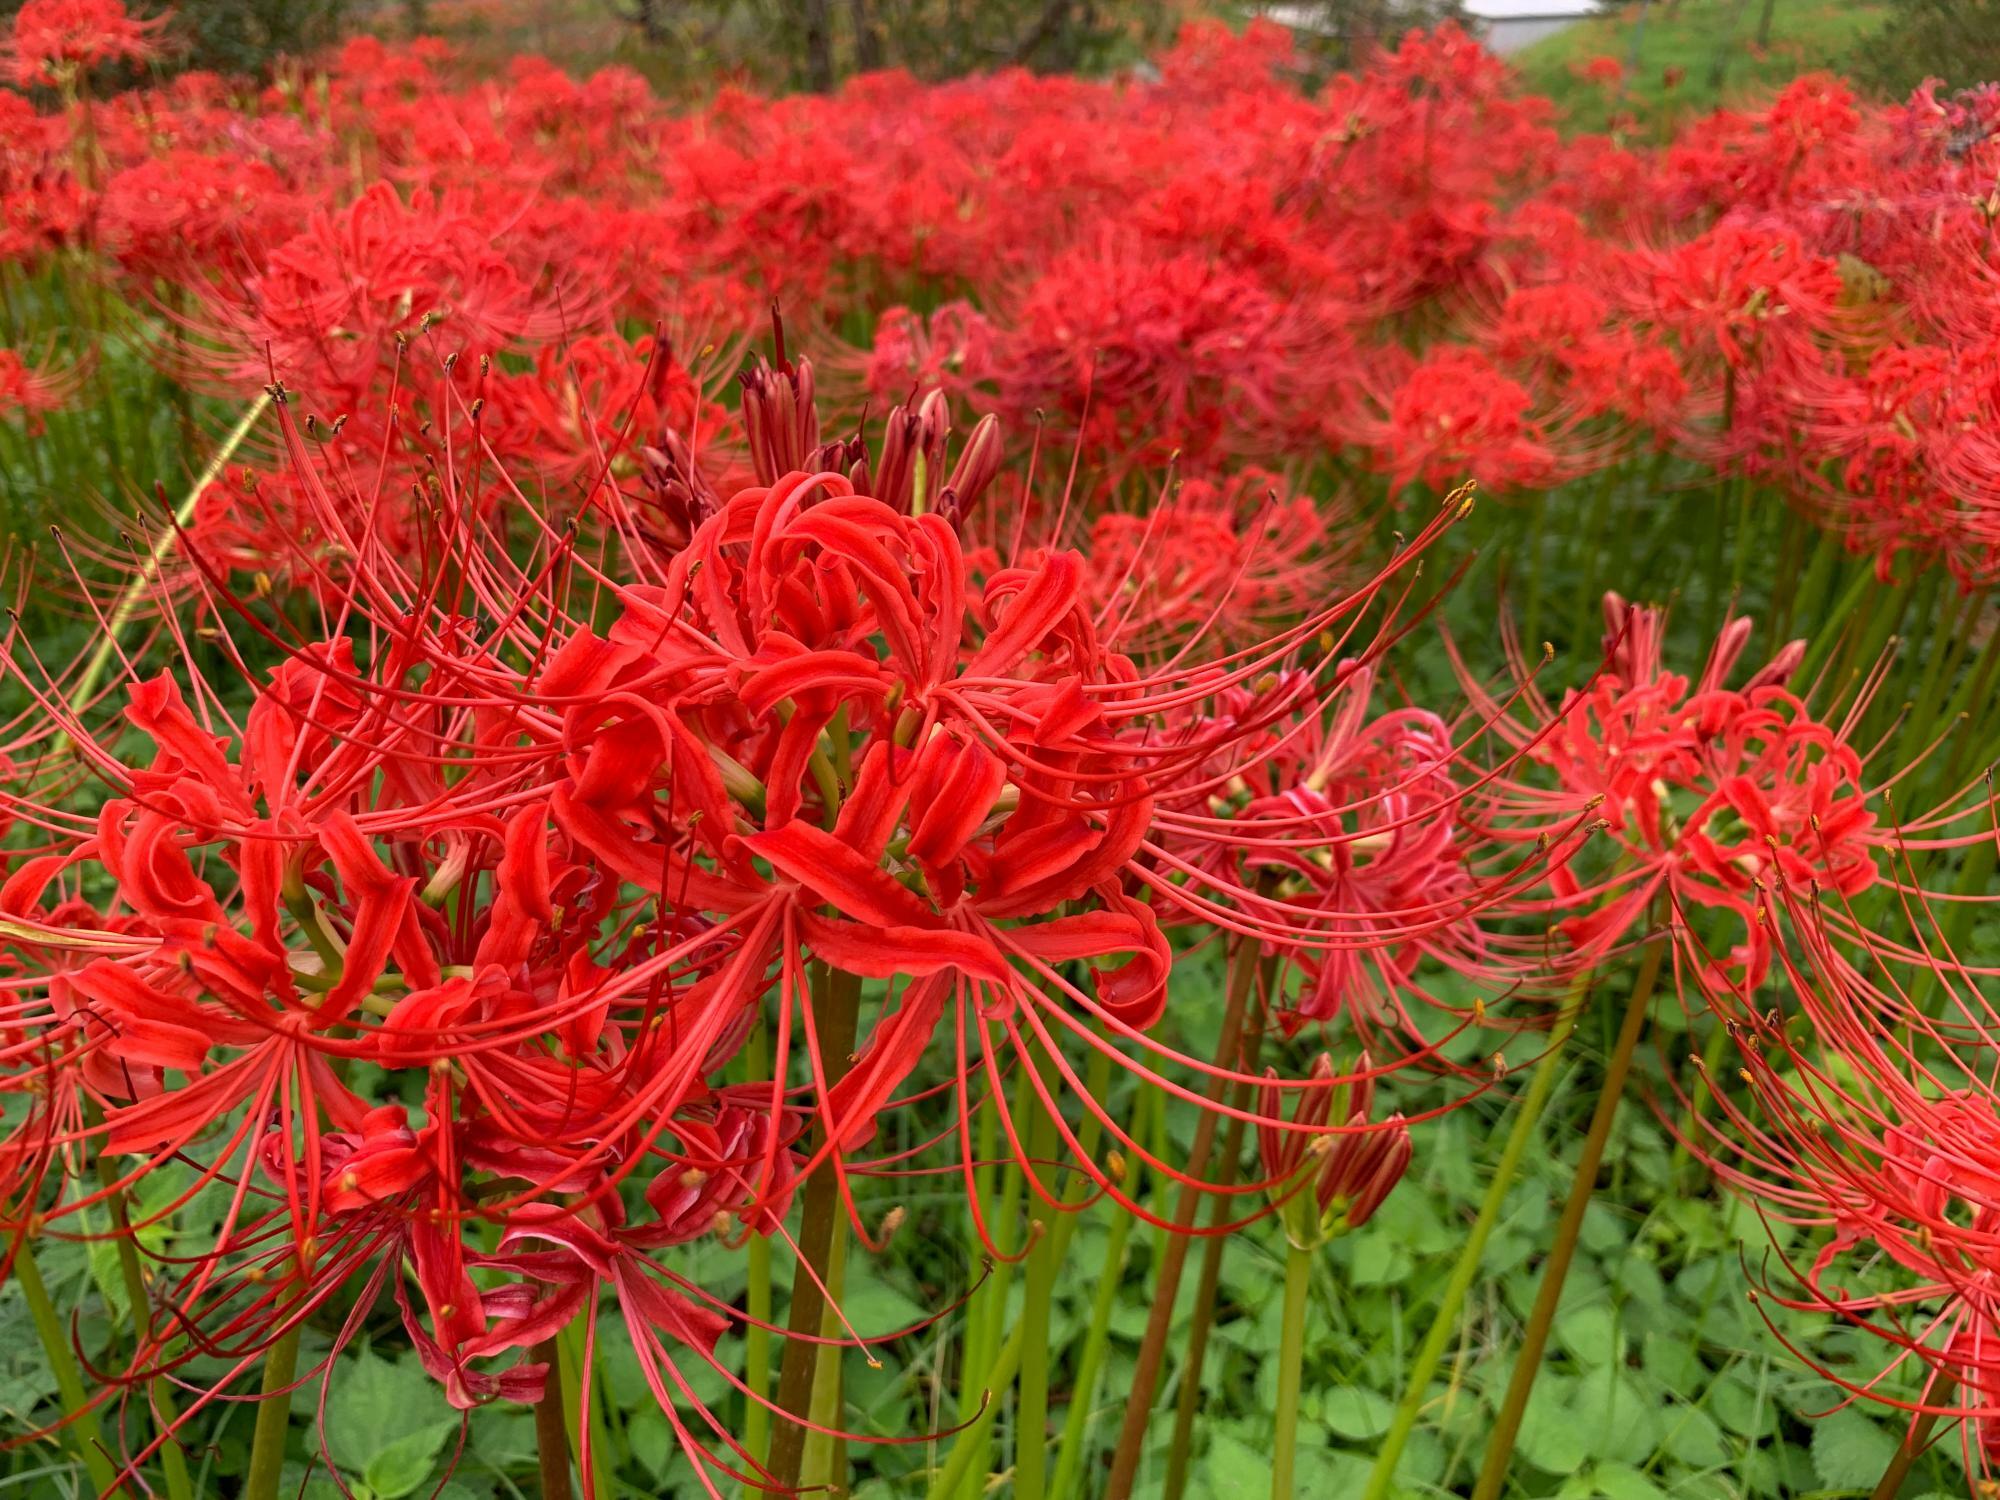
{"x":1341,"y":33}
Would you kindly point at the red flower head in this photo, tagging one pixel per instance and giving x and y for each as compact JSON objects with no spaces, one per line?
{"x":1710,"y":794}
{"x":1865,"y":1116}
{"x":55,"y":41}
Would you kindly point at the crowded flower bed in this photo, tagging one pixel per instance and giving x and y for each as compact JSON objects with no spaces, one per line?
{"x":769,"y":794}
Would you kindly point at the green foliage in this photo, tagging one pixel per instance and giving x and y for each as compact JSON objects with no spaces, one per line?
{"x":1685,"y":57}
{"x":1955,"y":40}
{"x":248,"y":36}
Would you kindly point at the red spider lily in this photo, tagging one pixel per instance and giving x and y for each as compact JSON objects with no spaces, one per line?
{"x":1215,"y":263}
{"x":56,"y":41}
{"x":552,"y":873}
{"x":1868,"y":1118}
{"x":33,"y":392}
{"x":1452,"y":414}
{"x":1709,"y":793}
{"x":1362,"y":816}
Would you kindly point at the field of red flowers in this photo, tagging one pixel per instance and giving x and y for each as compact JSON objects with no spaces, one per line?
{"x":1180,"y":786}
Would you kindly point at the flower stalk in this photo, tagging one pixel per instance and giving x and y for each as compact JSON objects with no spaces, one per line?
{"x":274,"y":1417}
{"x":1243,"y":969}
{"x":836,"y":999}
{"x":1291,"y":1369}
{"x":1562,"y":1249}
{"x":86,"y":1434}
{"x":1465,"y":1270}
{"x":551,"y":1427}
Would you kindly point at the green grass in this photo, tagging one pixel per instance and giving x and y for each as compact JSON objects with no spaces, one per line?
{"x":1712,"y":44}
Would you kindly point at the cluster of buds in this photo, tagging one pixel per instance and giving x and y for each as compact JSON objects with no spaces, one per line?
{"x":1330,"y":1175}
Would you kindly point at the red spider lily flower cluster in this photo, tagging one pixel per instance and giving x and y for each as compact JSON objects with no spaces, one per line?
{"x":1410,"y":266}
{"x":1860,"y":1110}
{"x":1711,"y":795}
{"x":619,"y":714}
{"x":436,"y":959}
{"x":29,"y":392}
{"x":56,"y":41}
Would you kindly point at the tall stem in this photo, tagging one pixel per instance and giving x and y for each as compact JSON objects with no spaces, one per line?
{"x":1915,"y":1441}
{"x":135,"y":591}
{"x":1291,"y":1366}
{"x":1444,"y":1320}
{"x":274,"y":1418}
{"x":1031,"y":1407}
{"x":1202,"y":1319}
{"x":757,"y":1299}
{"x":1188,"y":1405}
{"x":583,"y":1416}
{"x":1528,"y":1361}
{"x":1096,"y":1339}
{"x":83,"y":1427}
{"x":988,"y":1306}
{"x":958,"y":1467}
{"x":551,"y":1430}
{"x":836,"y":1001}
{"x":1243,"y":968}
{"x":825,"y":1458}
{"x":179,"y":1485}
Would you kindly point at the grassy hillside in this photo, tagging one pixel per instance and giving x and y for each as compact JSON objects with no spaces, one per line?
{"x":1682,"y":57}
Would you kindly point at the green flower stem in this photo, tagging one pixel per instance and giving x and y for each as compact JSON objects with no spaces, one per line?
{"x":576,"y":1382}
{"x":825,"y":1457}
{"x":551,"y":1427}
{"x":1444,"y":1320}
{"x":274,"y":1418}
{"x":1811,"y":589}
{"x":1555,"y":1269}
{"x":990,"y":1303}
{"x":1180,"y":1449}
{"x":1188,"y":1406}
{"x":1825,"y":640}
{"x":85,"y":1433}
{"x":135,"y":591}
{"x":1915,"y":1441}
{"x":836,"y":1001}
{"x":1291,"y":1366}
{"x":975,"y":1352}
{"x":1977,"y":687}
{"x":757,"y":1297}
{"x":1096,"y":1340}
{"x":1031,"y":1408}
{"x":1531,"y":628}
{"x":958,"y":1470}
{"x":1243,"y":970}
{"x":172,"y":1459}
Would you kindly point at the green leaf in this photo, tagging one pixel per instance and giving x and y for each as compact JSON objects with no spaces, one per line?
{"x":1739,"y":1406}
{"x":1670,"y":1361}
{"x":1693,"y":1438}
{"x":877,"y":1308}
{"x":1356,"y":1414}
{"x":652,"y":1439}
{"x":1378,"y":1261}
{"x":1235,"y":1468}
{"x":1616,"y":1418}
{"x":1551,"y":1438}
{"x":373,"y":1403}
{"x":1623,"y":1482}
{"x":1590,"y":1333}
{"x":398,"y":1468}
{"x":1850,"y":1450}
